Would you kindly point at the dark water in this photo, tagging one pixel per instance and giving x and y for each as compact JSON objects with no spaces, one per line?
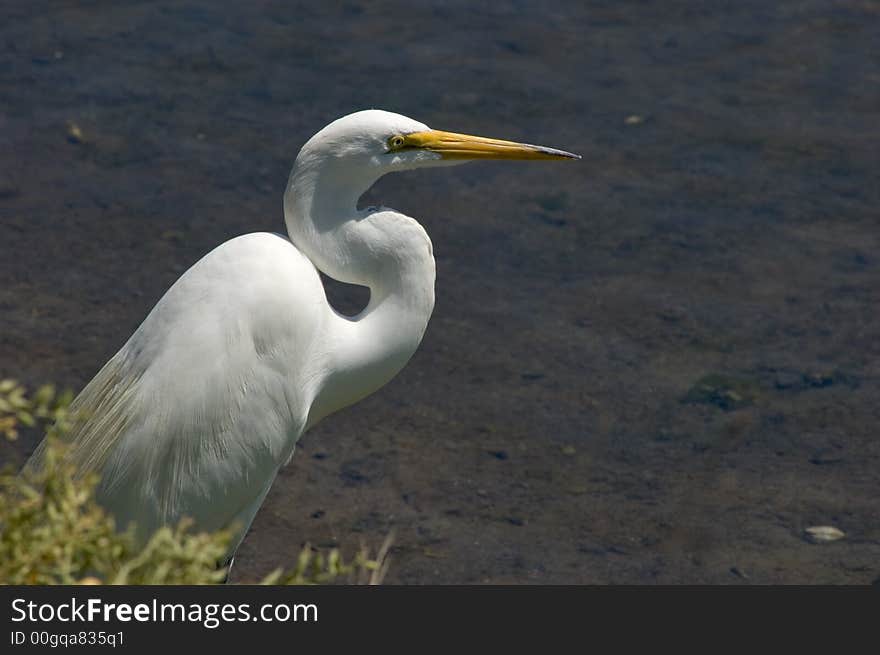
{"x":659,"y":364}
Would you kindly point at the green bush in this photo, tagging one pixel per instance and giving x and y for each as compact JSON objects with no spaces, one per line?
{"x":52,"y":531}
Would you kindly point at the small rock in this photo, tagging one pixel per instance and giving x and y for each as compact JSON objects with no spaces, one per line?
{"x":634,"y":120}
{"x":74,"y":133}
{"x":723,"y":391}
{"x":820,"y":534}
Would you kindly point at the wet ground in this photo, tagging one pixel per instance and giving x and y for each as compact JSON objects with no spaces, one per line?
{"x":660,"y":364}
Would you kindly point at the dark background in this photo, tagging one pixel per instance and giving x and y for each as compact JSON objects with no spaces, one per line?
{"x":659,"y":364}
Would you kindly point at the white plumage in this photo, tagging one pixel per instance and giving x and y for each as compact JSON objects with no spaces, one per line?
{"x":206,"y":401}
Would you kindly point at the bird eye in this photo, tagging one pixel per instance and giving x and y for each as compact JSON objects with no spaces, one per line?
{"x":396,"y":142}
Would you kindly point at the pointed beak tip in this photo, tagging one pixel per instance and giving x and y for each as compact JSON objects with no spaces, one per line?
{"x":567,"y":156}
{"x":555,"y":153}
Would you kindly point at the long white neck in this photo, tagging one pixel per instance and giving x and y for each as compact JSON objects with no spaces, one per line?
{"x":383,"y":250}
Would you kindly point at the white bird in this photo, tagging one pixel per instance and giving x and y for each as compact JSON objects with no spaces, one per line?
{"x":197,"y":412}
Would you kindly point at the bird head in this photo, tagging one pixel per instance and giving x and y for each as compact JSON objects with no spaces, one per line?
{"x":385,"y":142}
{"x":337,"y":166}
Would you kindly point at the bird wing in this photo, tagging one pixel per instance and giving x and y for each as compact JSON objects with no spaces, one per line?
{"x":203,"y":404}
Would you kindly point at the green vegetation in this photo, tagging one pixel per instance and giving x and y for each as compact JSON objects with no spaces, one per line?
{"x":17,"y":408}
{"x":52,"y":531}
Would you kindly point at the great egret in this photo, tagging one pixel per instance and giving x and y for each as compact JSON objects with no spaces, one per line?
{"x":197,"y":412}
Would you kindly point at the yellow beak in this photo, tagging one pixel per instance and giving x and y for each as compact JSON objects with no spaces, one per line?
{"x":464,"y":146}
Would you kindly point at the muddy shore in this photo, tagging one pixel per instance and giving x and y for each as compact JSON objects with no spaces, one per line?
{"x":657,"y":365}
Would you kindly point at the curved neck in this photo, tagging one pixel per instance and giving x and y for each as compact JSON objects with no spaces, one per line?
{"x":385,"y":251}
